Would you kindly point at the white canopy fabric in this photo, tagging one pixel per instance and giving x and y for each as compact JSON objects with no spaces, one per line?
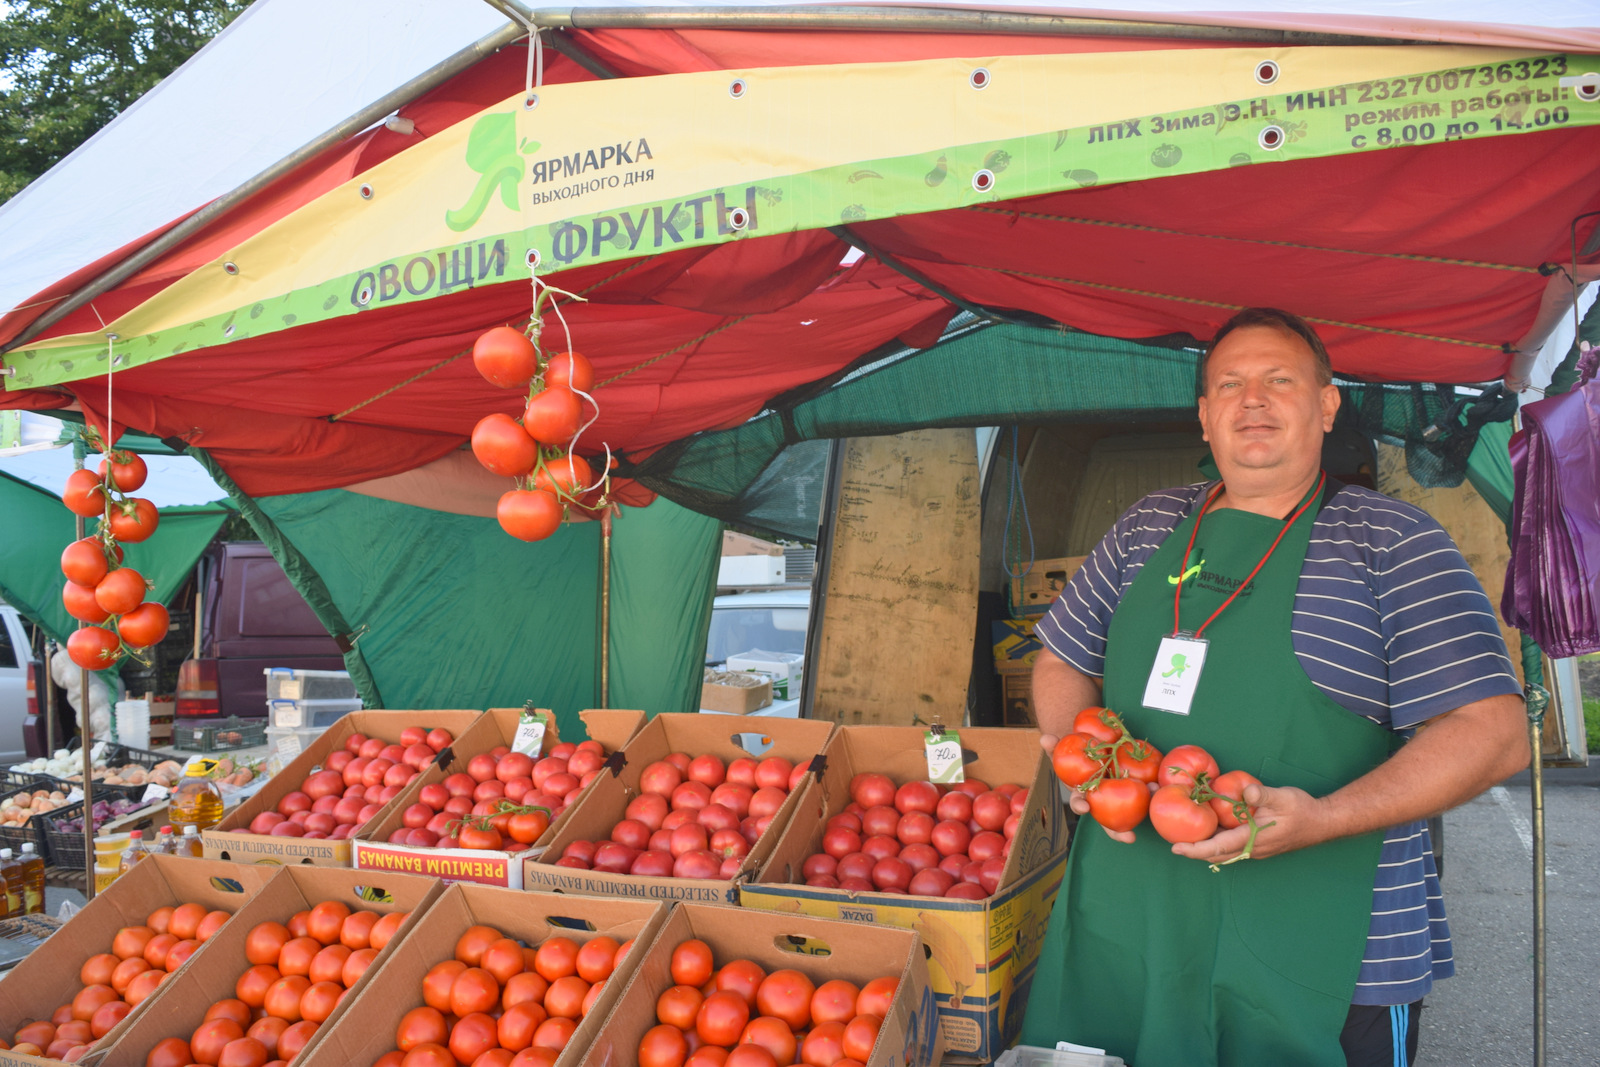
{"x":287,"y":70}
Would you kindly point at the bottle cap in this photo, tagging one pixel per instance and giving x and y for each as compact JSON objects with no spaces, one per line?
{"x":136,"y":835}
{"x":5,"y":853}
{"x":166,"y":829}
{"x":190,"y":831}
{"x":27,"y":846}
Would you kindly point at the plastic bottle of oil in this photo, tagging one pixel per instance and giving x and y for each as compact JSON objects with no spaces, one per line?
{"x":166,"y":843}
{"x":196,"y":801}
{"x":11,"y":877}
{"x":189,"y":845}
{"x":135,"y":852}
{"x":32,"y":880}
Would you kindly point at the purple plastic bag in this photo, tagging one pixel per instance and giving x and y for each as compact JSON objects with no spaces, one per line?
{"x":1553,"y":581}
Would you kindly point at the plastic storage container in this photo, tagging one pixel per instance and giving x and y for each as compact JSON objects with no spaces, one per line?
{"x":1033,"y":1056}
{"x":280,"y":756}
{"x":295,"y":714}
{"x":284,"y":683}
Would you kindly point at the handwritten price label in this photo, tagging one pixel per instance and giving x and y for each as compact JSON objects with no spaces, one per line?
{"x":944,"y":757}
{"x":530,"y":734}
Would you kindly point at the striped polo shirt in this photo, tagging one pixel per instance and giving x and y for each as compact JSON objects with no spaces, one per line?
{"x":1390,"y":623}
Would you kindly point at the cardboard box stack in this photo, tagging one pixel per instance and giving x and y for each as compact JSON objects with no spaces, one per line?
{"x":227,"y":841}
{"x":983,"y":951}
{"x":1015,"y":646}
{"x":819,"y":949}
{"x":797,"y":740}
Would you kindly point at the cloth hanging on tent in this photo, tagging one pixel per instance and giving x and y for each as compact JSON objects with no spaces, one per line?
{"x":1553,"y":581}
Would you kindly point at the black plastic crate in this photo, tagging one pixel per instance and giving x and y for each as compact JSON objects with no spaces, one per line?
{"x":65,"y":847}
{"x":226,"y":735}
{"x":11,"y":779}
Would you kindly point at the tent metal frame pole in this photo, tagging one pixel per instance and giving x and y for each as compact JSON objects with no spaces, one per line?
{"x":377,"y":110}
{"x":907,"y":20}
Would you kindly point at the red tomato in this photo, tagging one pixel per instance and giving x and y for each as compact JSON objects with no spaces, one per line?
{"x":1140,"y":761}
{"x":596,"y":959}
{"x":1102,"y":724}
{"x":237,"y":1010}
{"x":421,"y":1026}
{"x":722,"y":1018}
{"x":297,"y":954}
{"x":85,"y":494}
{"x":326,"y":920}
{"x":265,"y":941}
{"x":567,"y":475}
{"x":554,"y":1033}
{"x":243,"y":1052}
{"x":429,"y":1055}
{"x":556,"y":958}
{"x":1230,"y":785}
{"x":823,"y":1046}
{"x":80,"y":603}
{"x":283,"y":998}
{"x":517,"y":1025}
{"x":990,"y":810}
{"x":750,"y":1055}
{"x":529,"y":514}
{"x":319,"y":1000}
{"x":142,"y":986}
{"x":774,"y":1035}
{"x":108,"y":1015}
{"x":93,"y":647}
{"x":505,"y":357}
{"x":1119,"y":803}
{"x":121,"y":591}
{"x":916,"y":796}
{"x":134,"y":521}
{"x":295,"y":1038}
{"x":502,"y":446}
{"x":743,"y":977}
{"x":876,"y":996}
{"x":529,"y":987}
{"x":170,"y":1052}
{"x":553,"y":416}
{"x":663,"y":1046}
{"x":127,"y":470}
{"x":1185,"y":764}
{"x":91,"y":999}
{"x":356,"y":930}
{"x":472,"y":1036}
{"x":267,"y":1031}
{"x":786,"y":994}
{"x":860,"y":1034}
{"x":209,"y":1039}
{"x":872,"y":790}
{"x":570,"y":369}
{"x":691,"y":963}
{"x":564,"y":999}
{"x":1073,"y":765}
{"x":1178,"y":818}
{"x":474,"y":990}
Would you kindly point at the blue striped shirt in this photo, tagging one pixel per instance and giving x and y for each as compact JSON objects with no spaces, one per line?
{"x":1390,"y":623}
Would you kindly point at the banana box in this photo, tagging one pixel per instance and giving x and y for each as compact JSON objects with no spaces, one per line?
{"x":983,"y":953}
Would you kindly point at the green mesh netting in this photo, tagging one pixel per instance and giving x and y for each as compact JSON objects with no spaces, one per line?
{"x":768,"y":473}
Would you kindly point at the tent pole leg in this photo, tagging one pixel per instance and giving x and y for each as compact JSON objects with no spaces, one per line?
{"x":605,"y":608}
{"x":86,"y":731}
{"x":1536,"y":776}
{"x":49,"y":684}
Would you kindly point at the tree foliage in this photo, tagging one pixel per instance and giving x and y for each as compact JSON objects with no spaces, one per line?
{"x":70,"y":66}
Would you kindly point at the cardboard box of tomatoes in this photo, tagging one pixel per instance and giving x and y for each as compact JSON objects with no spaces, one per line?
{"x":819,"y":949}
{"x":983,"y":951}
{"x":224,"y":970}
{"x":383,"y":1013}
{"x":51,"y":976}
{"x":228,"y":840}
{"x":728,"y":738}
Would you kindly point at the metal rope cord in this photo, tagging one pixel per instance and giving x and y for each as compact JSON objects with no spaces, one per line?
{"x":1412,"y":256}
{"x":673,"y":351}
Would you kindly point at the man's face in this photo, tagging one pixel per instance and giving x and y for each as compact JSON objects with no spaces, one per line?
{"x":1264,"y":409}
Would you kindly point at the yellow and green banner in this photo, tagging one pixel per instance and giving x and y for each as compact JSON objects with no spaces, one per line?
{"x":592,"y":172}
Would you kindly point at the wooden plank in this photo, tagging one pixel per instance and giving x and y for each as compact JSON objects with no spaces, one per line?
{"x":1123,"y":469}
{"x":901,"y":608}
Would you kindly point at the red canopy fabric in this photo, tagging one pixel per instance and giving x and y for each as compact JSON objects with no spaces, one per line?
{"x":1417,"y":263}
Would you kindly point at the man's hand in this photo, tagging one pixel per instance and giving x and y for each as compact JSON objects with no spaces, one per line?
{"x":1289,"y":818}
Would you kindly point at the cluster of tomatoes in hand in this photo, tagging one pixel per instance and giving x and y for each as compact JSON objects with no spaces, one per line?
{"x":299,"y":973}
{"x":116,"y":982}
{"x":500,"y":1003}
{"x":99,"y":590}
{"x":1116,"y":772}
{"x":918,"y":838}
{"x":335,"y":801}
{"x":740,"y":1016}
{"x":504,"y":800}
{"x":694,"y":817}
{"x":535,"y":450}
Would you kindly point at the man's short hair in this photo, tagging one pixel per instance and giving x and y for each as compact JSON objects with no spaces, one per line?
{"x":1278,"y":320}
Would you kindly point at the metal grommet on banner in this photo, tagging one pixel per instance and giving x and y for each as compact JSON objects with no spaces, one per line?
{"x":530,"y":101}
{"x":364,"y":296}
{"x":1266,"y":72}
{"x":1271,"y":138}
{"x":365,"y":190}
{"x":227,"y":331}
{"x":983,"y":181}
{"x":738,"y":218}
{"x":737,"y":88}
{"x":531,"y":258}
{"x":230,"y":267}
{"x":980,"y":78}
{"x":1586,"y":87}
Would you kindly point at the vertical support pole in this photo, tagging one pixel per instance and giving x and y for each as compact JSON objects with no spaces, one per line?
{"x":87,"y":733}
{"x":48,"y":682}
{"x":1536,"y":775}
{"x":605,"y":607}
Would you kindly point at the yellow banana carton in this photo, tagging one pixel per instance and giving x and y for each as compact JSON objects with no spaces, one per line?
{"x":982,"y":953}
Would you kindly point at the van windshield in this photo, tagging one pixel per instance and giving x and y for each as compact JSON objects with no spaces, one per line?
{"x":736,"y":630}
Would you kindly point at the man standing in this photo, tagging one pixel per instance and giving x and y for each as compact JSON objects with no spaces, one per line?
{"x":1335,"y":644}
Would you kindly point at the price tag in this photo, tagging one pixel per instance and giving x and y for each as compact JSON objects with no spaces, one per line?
{"x":530,"y":733}
{"x":154,"y":792}
{"x":944,"y":757}
{"x":288,"y":749}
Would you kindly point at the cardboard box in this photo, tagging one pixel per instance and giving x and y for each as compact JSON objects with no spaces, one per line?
{"x":606,"y":802}
{"x":611,"y":727}
{"x":48,"y":977}
{"x":1015,"y":646}
{"x":1035,"y":591}
{"x":1016,"y":694}
{"x":738,"y":544}
{"x":983,"y":952}
{"x":396,"y":988}
{"x":784,"y":668}
{"x":227,"y":841}
{"x":819,"y":949}
{"x":180,"y":1004}
{"x":735,"y":692}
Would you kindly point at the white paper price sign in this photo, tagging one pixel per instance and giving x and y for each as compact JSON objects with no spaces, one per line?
{"x":97,"y":752}
{"x":944,"y":757}
{"x":530,"y":733}
{"x":154,"y":792}
{"x":288,"y":748}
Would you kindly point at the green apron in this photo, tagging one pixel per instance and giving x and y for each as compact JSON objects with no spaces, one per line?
{"x":1157,"y":958}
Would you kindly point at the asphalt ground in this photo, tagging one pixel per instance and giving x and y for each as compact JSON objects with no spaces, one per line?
{"x":1484,"y":1015}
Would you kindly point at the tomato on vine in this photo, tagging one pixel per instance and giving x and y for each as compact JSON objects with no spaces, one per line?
{"x":126,"y":469}
{"x":1185,"y":766}
{"x":1178,"y":817}
{"x":529,"y":514}
{"x":553,"y":417}
{"x":85,"y":494}
{"x":502,"y":446}
{"x":1072,"y":762}
{"x":569,"y":369}
{"x":505,"y":357}
{"x":1119,"y":804}
{"x":566,"y":475}
{"x":1102,"y":724}
{"x":134,"y":520}
{"x":1229,"y":798}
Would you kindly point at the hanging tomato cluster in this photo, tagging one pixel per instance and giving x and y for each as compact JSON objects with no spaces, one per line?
{"x":536,"y":450}
{"x":100,"y":591}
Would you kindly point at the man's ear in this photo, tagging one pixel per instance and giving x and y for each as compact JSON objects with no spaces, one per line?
{"x":1330,"y":406}
{"x":1202,"y":405}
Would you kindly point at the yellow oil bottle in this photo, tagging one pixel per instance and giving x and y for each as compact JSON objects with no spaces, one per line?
{"x":32,"y":880}
{"x":11,"y":877}
{"x":196,"y":801}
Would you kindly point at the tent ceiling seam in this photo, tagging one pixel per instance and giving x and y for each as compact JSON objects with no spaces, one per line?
{"x":673,"y":351}
{"x":1235,"y":307}
{"x":848,"y":235}
{"x":1143,"y":228}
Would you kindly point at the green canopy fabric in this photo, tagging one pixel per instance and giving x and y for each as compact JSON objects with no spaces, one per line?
{"x":38,"y":527}
{"x":447,"y":611}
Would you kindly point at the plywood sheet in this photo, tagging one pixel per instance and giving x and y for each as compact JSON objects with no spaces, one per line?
{"x":900,"y":614}
{"x":1123,"y":469}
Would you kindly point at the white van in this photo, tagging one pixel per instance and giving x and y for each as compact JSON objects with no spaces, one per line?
{"x":772,"y":621}
{"x":14,"y":655}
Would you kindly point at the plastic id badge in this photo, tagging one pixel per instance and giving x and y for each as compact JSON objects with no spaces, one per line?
{"x":1175,"y":674}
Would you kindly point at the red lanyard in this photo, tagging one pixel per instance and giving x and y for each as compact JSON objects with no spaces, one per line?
{"x":1184,"y":567}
